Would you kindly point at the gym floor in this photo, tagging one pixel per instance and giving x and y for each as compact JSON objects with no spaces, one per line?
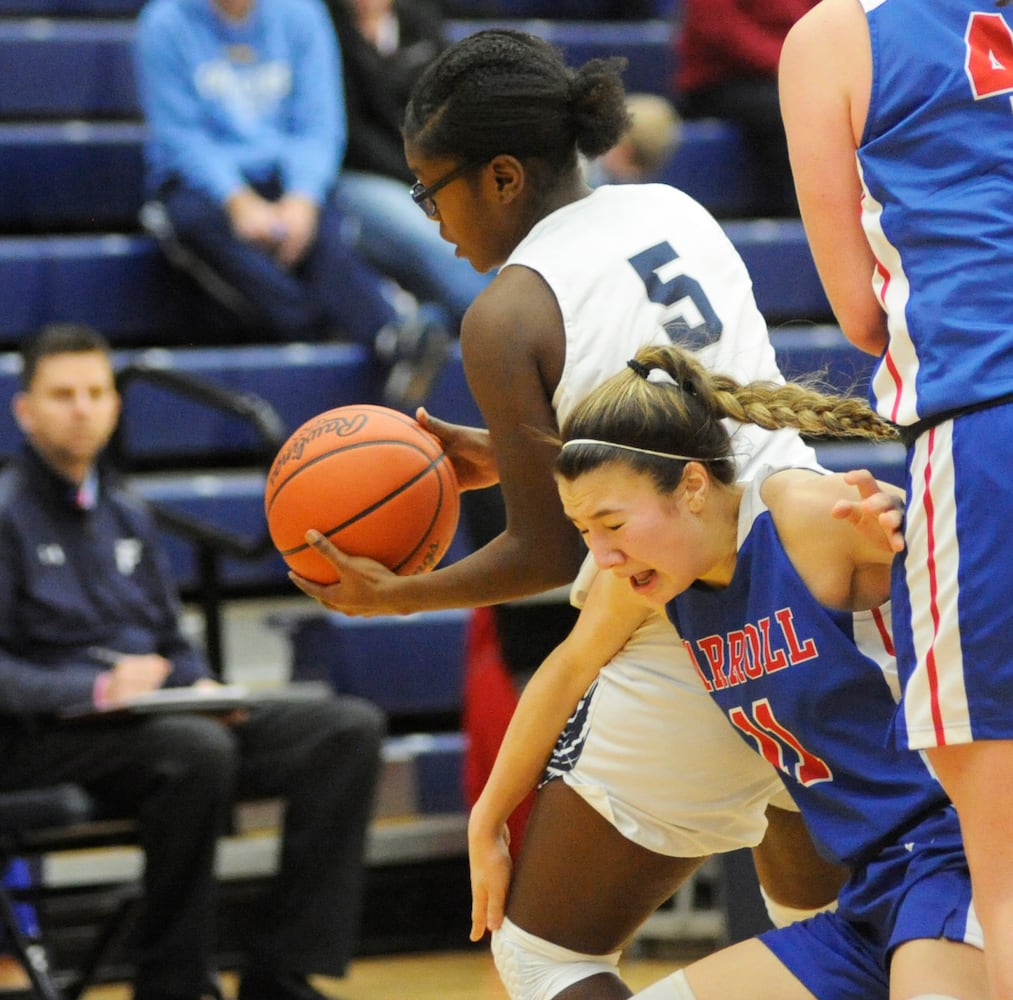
{"x":467,"y":975}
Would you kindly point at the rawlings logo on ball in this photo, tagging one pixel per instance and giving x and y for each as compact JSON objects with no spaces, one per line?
{"x":334,"y":423}
{"x":373,"y":481}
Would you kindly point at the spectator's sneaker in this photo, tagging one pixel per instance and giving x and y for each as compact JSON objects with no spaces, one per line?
{"x":414,"y":352}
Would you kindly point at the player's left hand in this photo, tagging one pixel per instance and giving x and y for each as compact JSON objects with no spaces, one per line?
{"x":365,"y":587}
{"x":879,"y":511}
{"x":491,"y":865}
{"x":468,"y":448}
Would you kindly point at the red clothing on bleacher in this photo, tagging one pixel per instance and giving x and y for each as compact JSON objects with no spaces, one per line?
{"x":719,"y":40}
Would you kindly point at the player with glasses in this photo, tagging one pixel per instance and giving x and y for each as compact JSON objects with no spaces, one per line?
{"x":424,"y":196}
{"x":582,"y":280}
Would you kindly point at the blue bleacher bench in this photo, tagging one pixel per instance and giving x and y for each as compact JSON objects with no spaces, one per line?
{"x":349,"y":653}
{"x":777,"y":256}
{"x":94,"y":171}
{"x":118,"y":283}
{"x":884,"y":459}
{"x":822,"y":350}
{"x":646,"y":45}
{"x":63,"y":68}
{"x":122,"y":285}
{"x":80,"y":66}
{"x":71,"y":175}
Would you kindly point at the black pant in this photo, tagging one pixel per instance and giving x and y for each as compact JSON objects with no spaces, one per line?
{"x":753,"y":103}
{"x":180,"y":774}
{"x":527,"y":631}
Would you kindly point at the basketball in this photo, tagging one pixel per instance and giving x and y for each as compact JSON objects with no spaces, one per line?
{"x":371,"y":480}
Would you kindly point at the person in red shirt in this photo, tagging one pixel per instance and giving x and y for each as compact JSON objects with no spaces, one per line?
{"x":727,"y":53}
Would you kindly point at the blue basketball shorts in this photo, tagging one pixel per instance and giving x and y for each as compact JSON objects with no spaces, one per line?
{"x":917,"y":887}
{"x":952,"y":587}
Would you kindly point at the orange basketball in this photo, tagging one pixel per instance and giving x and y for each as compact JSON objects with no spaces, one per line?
{"x":371,"y":480}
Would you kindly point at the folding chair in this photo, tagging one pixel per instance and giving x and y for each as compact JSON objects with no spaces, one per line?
{"x":32,"y":824}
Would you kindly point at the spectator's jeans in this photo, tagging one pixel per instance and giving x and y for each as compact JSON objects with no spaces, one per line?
{"x":331,"y":293}
{"x":396,"y":237}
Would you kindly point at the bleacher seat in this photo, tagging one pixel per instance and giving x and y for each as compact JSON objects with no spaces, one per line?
{"x":885,"y":460}
{"x":806,"y":350}
{"x":97,"y":173}
{"x":118,"y":283}
{"x":70,"y":8}
{"x":712,"y":164}
{"x":67,"y":68}
{"x":777,"y":256}
{"x":422,"y":657}
{"x":93,"y":176}
{"x":143,"y":301}
{"x":645,"y":44}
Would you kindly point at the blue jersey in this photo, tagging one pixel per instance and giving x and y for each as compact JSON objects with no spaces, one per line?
{"x":812,"y":689}
{"x":229,"y":102}
{"x":936,"y":161}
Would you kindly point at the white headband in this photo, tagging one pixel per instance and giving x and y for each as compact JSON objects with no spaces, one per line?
{"x":639,"y":451}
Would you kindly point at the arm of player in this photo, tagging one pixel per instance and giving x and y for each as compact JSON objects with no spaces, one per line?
{"x":824,"y":83}
{"x":841,"y":532}
{"x":513,"y":346}
{"x":608,"y":618}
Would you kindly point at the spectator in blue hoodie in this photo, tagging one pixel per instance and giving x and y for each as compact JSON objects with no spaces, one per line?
{"x":244,"y":106}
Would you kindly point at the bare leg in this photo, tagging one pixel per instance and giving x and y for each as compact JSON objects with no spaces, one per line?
{"x":943,"y":967}
{"x":789,"y":869}
{"x":976,"y":776}
{"x":747,"y":970}
{"x":581,"y":884}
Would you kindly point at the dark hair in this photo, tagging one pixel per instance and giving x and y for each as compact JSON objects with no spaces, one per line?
{"x":58,"y":338}
{"x":503,"y":91}
{"x":665,"y":401}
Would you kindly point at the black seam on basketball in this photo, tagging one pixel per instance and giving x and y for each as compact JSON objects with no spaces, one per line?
{"x":433,"y":464}
{"x":351,"y":446}
{"x":436,"y":513}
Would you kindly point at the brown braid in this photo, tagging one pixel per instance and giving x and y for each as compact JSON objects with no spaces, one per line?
{"x":684,"y":415}
{"x":808,"y":410}
{"x":800,"y":404}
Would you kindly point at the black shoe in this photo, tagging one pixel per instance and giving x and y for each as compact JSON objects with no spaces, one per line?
{"x":212,"y":990}
{"x":414,"y":352}
{"x":258,"y":984}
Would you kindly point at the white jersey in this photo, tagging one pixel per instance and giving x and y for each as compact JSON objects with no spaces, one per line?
{"x":639,"y":264}
{"x":634,"y":265}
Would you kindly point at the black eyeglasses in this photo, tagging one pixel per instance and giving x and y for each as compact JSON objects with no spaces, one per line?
{"x":423,"y":196}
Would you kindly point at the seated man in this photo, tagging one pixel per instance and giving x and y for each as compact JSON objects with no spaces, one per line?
{"x":88,"y":612}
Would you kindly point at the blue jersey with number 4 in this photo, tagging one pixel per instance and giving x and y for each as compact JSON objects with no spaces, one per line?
{"x":937,"y":167}
{"x":812,"y":689}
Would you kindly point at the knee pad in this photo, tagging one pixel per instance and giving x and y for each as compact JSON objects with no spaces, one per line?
{"x":674,"y":987}
{"x":782,"y":915}
{"x":532,"y":968}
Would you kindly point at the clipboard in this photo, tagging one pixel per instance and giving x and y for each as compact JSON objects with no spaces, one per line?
{"x":218,"y":700}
